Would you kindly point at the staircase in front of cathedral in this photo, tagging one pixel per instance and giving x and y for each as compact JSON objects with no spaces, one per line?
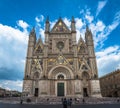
{"x":75,"y":100}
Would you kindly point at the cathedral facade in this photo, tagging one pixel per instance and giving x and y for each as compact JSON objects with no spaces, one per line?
{"x":61,"y":66}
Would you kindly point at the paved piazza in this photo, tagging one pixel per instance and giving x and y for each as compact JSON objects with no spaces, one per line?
{"x":58,"y":106}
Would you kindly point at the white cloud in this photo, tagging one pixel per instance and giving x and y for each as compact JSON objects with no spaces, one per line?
{"x":79,"y":23}
{"x":100,"y":26}
{"x":11,"y":85}
{"x":39,"y":26}
{"x":67,"y":22}
{"x":89,"y":18}
{"x":52,"y":23}
{"x":8,"y":33}
{"x":101,"y":5}
{"x":103,"y":35}
{"x":108,"y":60}
{"x":41,"y":32}
{"x":77,"y":35}
{"x":115,"y":22}
{"x":13,"y":49}
{"x":107,"y":51}
{"x":39,"y":18}
{"x":99,"y":29}
{"x":22,"y":24}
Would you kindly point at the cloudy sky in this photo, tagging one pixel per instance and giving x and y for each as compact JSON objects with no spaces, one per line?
{"x":17,"y":17}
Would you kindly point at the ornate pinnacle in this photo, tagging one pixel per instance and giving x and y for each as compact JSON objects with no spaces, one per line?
{"x":32,"y":31}
{"x":47,"y":19}
{"x":73,"y":19}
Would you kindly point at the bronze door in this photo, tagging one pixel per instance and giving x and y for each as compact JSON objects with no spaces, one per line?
{"x":60,"y":89}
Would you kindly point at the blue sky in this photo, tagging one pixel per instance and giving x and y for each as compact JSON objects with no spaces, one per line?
{"x":17,"y":17}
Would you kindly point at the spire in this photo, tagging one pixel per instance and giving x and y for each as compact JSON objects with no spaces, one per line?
{"x":47,"y":26}
{"x":47,"y":19}
{"x":80,"y":40}
{"x":88,"y":31}
{"x":59,"y":17}
{"x":73,"y":19}
{"x":32,"y":36}
{"x":88,"y":36}
{"x":87,"y":28}
{"x":73,"y":29}
{"x":32,"y":32}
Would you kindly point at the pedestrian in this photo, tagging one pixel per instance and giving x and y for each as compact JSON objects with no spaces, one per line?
{"x":47,"y":99}
{"x":83,"y":100}
{"x":65,"y":103}
{"x":118,"y":100}
{"x":70,"y":102}
{"x":21,"y":101}
{"x":62,"y":100}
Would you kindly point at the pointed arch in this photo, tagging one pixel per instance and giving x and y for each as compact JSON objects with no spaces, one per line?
{"x":85,"y":75}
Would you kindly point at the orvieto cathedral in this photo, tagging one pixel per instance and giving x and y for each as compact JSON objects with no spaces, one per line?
{"x":60,"y":66}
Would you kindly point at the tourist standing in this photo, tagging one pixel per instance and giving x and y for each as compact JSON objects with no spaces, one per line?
{"x":65,"y":103}
{"x":83,"y":100}
{"x":70,"y":102}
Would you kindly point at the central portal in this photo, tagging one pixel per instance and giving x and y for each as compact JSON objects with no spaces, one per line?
{"x":60,"y":89}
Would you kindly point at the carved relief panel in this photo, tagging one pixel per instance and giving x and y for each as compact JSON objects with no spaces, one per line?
{"x":27,"y":86}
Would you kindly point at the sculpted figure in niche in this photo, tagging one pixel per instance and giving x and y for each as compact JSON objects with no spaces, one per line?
{"x":60,"y":76}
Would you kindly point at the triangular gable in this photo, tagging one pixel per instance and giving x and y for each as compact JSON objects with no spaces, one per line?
{"x":60,"y":27}
{"x":81,"y":46}
{"x":61,"y":60}
{"x":81,"y":41}
{"x":39,"y":47}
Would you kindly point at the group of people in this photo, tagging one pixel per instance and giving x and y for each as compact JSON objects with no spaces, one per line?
{"x":66,"y":102}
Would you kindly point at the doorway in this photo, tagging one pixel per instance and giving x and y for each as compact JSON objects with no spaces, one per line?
{"x":60,"y":89}
{"x":85,"y":93}
{"x":36,"y":92}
